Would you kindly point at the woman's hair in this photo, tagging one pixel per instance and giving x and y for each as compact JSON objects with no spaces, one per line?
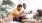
{"x":40,"y":12}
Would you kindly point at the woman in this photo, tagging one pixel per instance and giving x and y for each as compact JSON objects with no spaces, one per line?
{"x":38,"y":15}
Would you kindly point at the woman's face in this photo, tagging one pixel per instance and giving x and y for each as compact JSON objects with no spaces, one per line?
{"x":37,"y":13}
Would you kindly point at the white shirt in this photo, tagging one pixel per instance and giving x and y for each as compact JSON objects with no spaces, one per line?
{"x":29,"y":16}
{"x":25,"y":11}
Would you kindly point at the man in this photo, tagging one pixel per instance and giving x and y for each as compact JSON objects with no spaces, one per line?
{"x":16,"y":11}
{"x":24,"y":5}
{"x":15,"y":14}
{"x":24,"y":11}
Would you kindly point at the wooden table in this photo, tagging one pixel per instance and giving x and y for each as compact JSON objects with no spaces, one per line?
{"x":31,"y":21}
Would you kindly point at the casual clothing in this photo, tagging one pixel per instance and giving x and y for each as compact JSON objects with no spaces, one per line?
{"x":29,"y":16}
{"x":35,"y":17}
{"x":18,"y":19}
{"x":25,"y":11}
{"x":16,"y":12}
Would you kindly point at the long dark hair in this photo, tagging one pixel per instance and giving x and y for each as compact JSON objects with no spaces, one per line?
{"x":40,"y":12}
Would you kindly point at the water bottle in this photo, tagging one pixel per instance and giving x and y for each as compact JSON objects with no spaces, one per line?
{"x":41,"y":19}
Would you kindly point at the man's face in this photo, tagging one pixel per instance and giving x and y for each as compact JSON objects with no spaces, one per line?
{"x":19,"y":8}
{"x":24,"y":6}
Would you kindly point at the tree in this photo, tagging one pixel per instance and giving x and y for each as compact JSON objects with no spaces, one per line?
{"x":3,"y":9}
{"x":9,"y":2}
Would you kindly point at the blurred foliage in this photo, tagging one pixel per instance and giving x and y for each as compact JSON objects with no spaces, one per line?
{"x":6,"y":2}
{"x":3,"y":9}
{"x":9,"y":2}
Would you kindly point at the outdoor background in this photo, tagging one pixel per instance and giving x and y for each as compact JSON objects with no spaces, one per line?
{"x":6,"y":6}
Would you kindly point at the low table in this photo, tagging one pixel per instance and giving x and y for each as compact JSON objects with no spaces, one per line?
{"x":30,"y":21}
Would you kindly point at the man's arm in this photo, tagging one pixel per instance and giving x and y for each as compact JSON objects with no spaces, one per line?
{"x":8,"y":18}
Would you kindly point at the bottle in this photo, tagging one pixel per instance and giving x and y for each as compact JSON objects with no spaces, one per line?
{"x":41,"y":19}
